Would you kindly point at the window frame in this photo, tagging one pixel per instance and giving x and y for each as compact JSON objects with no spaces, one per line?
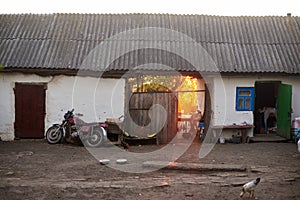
{"x":244,"y":99}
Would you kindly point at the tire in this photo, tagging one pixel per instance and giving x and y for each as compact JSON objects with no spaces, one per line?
{"x":95,"y":139}
{"x":54,"y":134}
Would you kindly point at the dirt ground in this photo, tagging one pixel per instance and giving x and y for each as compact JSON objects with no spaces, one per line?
{"x":33,"y":169}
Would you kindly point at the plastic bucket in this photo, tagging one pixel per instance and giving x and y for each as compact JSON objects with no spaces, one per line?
{"x":295,"y":130}
{"x":296,"y":123}
{"x":222,"y":140}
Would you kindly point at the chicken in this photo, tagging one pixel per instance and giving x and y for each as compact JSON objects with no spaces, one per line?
{"x":249,"y":187}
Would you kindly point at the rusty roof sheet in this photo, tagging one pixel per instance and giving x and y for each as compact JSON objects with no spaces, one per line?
{"x":100,"y":42}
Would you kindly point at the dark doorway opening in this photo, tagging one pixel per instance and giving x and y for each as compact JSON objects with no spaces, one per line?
{"x":272,"y":114}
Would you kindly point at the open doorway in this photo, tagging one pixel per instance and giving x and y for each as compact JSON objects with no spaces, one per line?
{"x":272,"y":112}
{"x":190,"y":93}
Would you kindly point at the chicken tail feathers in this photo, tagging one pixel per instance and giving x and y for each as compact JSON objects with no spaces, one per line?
{"x":257,"y":181}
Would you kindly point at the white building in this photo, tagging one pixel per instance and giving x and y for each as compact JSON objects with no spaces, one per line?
{"x":52,"y":63}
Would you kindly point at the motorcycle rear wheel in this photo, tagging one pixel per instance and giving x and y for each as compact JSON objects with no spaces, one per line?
{"x":54,"y":134}
{"x":95,"y":139}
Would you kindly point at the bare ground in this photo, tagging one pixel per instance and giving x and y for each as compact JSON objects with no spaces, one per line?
{"x":33,"y":169}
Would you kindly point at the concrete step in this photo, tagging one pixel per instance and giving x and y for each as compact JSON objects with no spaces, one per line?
{"x":268,"y":138}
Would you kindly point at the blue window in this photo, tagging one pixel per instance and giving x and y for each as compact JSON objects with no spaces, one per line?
{"x":244,"y":98}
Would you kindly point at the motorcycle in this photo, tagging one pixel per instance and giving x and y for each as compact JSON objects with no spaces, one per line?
{"x":74,"y":130}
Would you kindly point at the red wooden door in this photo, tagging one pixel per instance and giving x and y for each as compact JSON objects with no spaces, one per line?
{"x":29,"y":110}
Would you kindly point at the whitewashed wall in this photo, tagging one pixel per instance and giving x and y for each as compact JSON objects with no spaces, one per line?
{"x":223,"y":106}
{"x":94,"y":98}
{"x":101,"y":98}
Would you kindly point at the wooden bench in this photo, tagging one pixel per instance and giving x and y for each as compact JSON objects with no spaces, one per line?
{"x":242,"y":128}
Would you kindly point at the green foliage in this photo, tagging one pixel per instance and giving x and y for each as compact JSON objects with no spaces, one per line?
{"x":157,"y":83}
{"x":187,"y":101}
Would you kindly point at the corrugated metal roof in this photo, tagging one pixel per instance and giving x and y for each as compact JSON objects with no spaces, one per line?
{"x":235,"y":44}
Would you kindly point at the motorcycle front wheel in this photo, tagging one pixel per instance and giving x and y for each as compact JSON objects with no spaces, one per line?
{"x":95,"y":139}
{"x":54,"y":134}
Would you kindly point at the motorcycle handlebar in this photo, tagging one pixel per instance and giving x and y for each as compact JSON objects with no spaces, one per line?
{"x":69,"y":114}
